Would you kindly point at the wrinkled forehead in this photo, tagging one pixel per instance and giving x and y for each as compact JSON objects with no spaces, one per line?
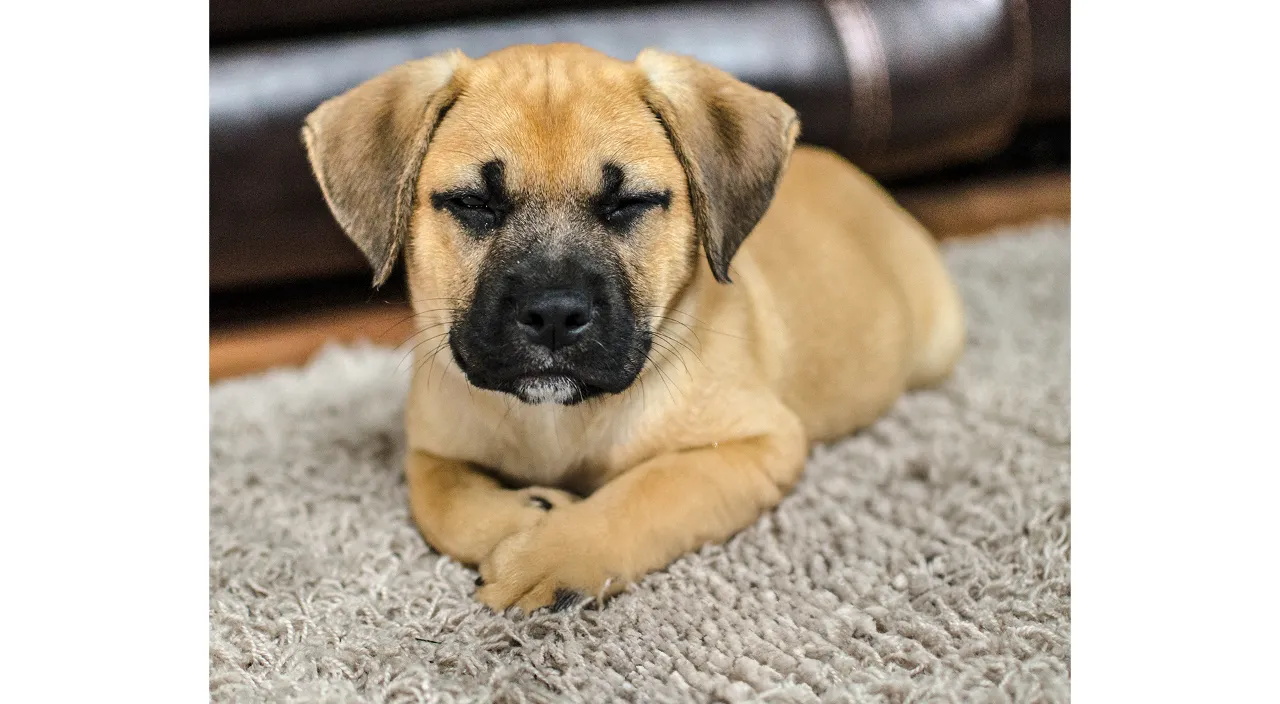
{"x":554,"y":125}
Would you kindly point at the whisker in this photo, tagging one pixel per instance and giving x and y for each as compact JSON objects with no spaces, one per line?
{"x":667,"y":346}
{"x":421,"y":343}
{"x":409,"y":317}
{"x":703,"y":325}
{"x":673,"y":320}
{"x":431,"y":360}
{"x":430,"y":354}
{"x":444,"y":369}
{"x":665,"y":381}
{"x":445,"y":309}
{"x":423,"y":329}
{"x":583,"y":407}
{"x":658,"y":330}
{"x":510,"y":405}
{"x":676,"y":341}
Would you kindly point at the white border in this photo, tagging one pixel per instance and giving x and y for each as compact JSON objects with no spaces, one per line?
{"x":1174,"y":352}
{"x":104,"y":506}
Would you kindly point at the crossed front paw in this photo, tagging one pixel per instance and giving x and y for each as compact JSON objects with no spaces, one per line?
{"x":559,"y":562}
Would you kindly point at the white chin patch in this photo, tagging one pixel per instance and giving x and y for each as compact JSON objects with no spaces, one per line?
{"x":546,"y":389}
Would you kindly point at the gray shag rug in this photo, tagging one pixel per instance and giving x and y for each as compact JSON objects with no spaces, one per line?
{"x":926,"y":558}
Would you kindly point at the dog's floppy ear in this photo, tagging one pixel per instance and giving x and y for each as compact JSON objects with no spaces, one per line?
{"x":733,"y":141}
{"x":366,"y":147}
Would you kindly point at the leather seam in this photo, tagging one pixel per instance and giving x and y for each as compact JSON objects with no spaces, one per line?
{"x":868,"y":74}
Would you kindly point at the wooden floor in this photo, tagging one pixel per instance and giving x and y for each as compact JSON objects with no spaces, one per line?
{"x":979,"y":207}
{"x":952,"y":211}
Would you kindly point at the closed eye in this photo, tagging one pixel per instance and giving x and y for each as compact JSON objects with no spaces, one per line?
{"x":623,"y":210}
{"x":475,"y":211}
{"x":479,"y":210}
{"x":471,"y":202}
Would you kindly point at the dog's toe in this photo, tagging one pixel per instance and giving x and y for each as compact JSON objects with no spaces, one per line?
{"x":566,"y":599}
{"x":545,"y":498}
{"x":541,"y":502}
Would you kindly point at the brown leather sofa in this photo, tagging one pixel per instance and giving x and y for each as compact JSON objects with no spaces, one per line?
{"x":901,"y":87}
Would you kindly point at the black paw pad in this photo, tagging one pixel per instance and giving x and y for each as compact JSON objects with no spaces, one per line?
{"x":565,"y":598}
{"x":479,"y":581}
{"x":541,"y":502}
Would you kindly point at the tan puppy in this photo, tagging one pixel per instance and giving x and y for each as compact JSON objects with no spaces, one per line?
{"x":568,"y":222}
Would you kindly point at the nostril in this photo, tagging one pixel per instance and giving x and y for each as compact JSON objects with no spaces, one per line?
{"x":576,"y":320}
{"x":532,"y":319}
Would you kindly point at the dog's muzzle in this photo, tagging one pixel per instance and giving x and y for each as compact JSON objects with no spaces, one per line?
{"x":551,"y":330}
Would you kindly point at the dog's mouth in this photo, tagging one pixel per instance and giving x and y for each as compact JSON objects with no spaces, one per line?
{"x":538,"y":385}
{"x":558,"y":388}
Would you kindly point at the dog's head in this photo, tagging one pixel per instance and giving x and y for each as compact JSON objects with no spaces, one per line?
{"x":550,"y":199}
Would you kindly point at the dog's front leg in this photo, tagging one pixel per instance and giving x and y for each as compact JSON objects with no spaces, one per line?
{"x":464,"y":513}
{"x":641,"y":521}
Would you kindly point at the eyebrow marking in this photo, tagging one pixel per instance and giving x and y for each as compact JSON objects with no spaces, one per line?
{"x":494,"y":175}
{"x":480,"y":208}
{"x":618,"y":207}
{"x":612,"y":182}
{"x":493,"y":187}
{"x":612,"y":191}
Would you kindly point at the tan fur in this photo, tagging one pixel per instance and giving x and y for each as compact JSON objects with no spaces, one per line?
{"x":839,"y":303}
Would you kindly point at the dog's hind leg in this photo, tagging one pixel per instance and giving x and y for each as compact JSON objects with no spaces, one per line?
{"x":940,"y":346}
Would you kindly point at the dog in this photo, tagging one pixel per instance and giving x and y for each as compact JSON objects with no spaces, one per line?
{"x":639,"y":303}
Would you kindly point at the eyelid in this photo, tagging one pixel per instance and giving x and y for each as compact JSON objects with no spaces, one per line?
{"x":442,"y":199}
{"x":646,"y":198}
{"x":626,"y":200}
{"x":623,"y":208}
{"x":625,"y":204}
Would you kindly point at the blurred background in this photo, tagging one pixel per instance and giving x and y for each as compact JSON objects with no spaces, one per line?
{"x":960,"y":107}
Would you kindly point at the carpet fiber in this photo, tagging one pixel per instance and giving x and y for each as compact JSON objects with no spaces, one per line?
{"x":926,"y":558}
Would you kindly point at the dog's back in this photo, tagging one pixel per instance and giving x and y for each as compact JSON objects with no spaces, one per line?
{"x":860,"y":287}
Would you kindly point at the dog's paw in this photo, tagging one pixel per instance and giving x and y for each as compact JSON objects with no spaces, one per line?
{"x":531,"y":506}
{"x":544,"y":498}
{"x":559,"y":562}
{"x":471,"y":536}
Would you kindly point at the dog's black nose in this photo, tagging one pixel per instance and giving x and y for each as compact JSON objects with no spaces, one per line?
{"x":555,"y":318}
